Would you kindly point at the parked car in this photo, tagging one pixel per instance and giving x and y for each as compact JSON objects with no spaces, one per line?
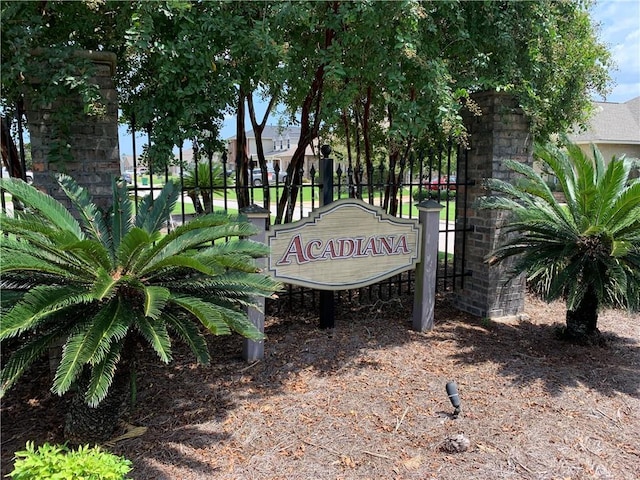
{"x":441,"y":183}
{"x":5,"y":174}
{"x":128,"y":177}
{"x":256,"y":176}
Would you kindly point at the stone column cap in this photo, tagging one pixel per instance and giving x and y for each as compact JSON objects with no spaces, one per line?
{"x":429,"y":205}
{"x":255,"y":211}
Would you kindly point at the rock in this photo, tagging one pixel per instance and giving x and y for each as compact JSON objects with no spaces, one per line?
{"x":455,"y":444}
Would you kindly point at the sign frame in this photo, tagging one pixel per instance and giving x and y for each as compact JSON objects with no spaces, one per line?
{"x":344,"y":245}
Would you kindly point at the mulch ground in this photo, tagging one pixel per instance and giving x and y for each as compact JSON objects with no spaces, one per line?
{"x":367,"y":401}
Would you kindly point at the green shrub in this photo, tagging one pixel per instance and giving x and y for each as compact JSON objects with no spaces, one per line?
{"x":426,"y":194}
{"x":58,"y":462}
{"x":420,"y":195}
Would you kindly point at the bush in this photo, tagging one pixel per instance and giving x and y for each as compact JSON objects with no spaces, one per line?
{"x":58,"y":462}
{"x":420,"y":195}
{"x":425,"y":194}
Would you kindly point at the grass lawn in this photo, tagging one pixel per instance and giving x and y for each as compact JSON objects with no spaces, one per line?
{"x":308,"y":196}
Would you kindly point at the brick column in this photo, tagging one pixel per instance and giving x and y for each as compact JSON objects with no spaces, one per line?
{"x":93,"y":140}
{"x":502,"y":132}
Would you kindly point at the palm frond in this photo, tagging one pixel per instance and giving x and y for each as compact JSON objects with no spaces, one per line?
{"x":91,"y":344}
{"x":21,"y":252}
{"x":625,"y":211}
{"x":208,"y":314}
{"x":104,"y":285}
{"x":155,"y":332}
{"x":121,"y":213}
{"x":43,"y":204}
{"x":186,"y":330}
{"x":23,"y":261}
{"x":102,"y":374}
{"x":154,"y":212}
{"x":538,"y":188}
{"x":239,"y":247}
{"x":233,"y":255}
{"x":240,"y":323}
{"x":186,"y":262}
{"x":610,"y":186}
{"x":155,"y":299}
{"x":187,"y":240}
{"x":39,"y":304}
{"x":24,"y":357}
{"x":91,"y":252}
{"x":233,"y":286}
{"x":133,"y":245}
{"x":560,"y":166}
{"x":206,"y":222}
{"x":92,"y":217}
{"x":586,"y":179}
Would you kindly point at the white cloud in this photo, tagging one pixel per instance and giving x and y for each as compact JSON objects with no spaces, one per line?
{"x":620,"y":31}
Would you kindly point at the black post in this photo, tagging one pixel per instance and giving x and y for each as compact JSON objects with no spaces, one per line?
{"x":327,"y":307}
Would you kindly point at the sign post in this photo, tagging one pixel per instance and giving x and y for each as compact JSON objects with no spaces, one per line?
{"x":252,"y":350}
{"x":327,"y":305}
{"x":424,"y":298}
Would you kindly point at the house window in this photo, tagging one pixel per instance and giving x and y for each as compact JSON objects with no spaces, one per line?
{"x":274,"y":144}
{"x":280,"y":144}
{"x":288,"y":143}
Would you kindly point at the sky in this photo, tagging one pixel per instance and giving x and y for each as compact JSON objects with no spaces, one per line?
{"x":619,"y":29}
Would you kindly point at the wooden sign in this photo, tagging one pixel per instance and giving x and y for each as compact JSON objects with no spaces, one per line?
{"x":346,"y":244}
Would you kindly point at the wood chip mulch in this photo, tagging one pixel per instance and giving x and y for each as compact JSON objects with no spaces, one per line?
{"x":367,"y":400}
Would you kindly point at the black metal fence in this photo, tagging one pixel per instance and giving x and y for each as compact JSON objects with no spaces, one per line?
{"x":431,"y":175}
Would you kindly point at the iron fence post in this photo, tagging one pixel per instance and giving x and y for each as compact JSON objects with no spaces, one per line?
{"x":327,"y":306}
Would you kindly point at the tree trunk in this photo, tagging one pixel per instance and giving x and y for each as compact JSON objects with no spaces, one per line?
{"x":582,"y":322}
{"x":258,"y":128}
{"x":242,"y":157}
{"x":91,"y":425}
{"x":88,"y":425}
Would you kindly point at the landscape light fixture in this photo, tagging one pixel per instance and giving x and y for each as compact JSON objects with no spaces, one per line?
{"x":452,"y":391}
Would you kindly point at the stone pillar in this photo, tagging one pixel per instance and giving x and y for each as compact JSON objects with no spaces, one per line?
{"x":502,"y":132}
{"x":93,"y":140}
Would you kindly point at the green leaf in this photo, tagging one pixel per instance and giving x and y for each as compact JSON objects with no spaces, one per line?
{"x":153,"y":213}
{"x":121,"y":213}
{"x":24,"y":357}
{"x":92,"y":343}
{"x":91,"y":215}
{"x":134,"y":244}
{"x":155,"y":299}
{"x":155,"y":332}
{"x":38,"y":305}
{"x":208,"y":314}
{"x":46,"y":206}
{"x":188,"y":333}
{"x":102,"y":374}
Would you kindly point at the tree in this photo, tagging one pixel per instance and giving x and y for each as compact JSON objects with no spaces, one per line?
{"x":42,"y":61}
{"x":587,"y":251}
{"x":390,"y":76}
{"x":105,"y":288}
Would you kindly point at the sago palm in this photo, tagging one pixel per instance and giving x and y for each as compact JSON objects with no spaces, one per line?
{"x":100,"y":284}
{"x":584,"y":249}
{"x":204,"y":180}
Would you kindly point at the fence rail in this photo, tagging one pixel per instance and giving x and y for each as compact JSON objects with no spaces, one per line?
{"x":423,"y":176}
{"x":431,"y":176}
